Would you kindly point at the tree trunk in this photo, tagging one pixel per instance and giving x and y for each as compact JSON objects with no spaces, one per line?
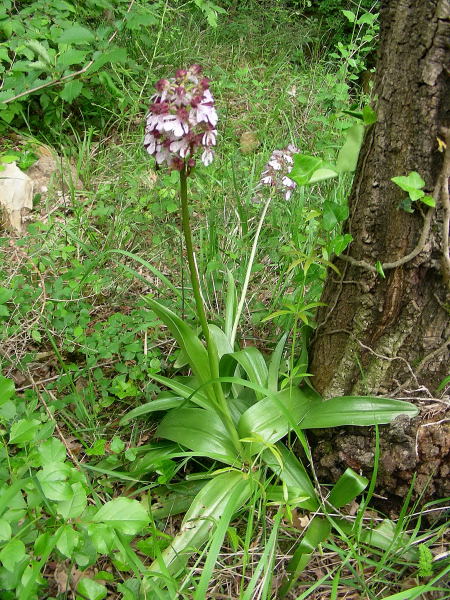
{"x":391,"y":336}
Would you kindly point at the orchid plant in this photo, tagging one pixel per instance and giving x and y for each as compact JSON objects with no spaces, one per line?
{"x":231,"y":408}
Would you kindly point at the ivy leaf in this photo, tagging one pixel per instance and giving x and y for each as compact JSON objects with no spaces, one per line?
{"x":429,"y":201}
{"x":411,"y":183}
{"x":380,"y":270}
{"x":124,"y":514}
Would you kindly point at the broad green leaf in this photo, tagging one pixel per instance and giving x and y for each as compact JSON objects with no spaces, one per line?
{"x":222,"y":341}
{"x":77,"y":34}
{"x":123,"y":514}
{"x":411,"y":593}
{"x":355,"y":410}
{"x":387,"y":537}
{"x":113,"y":55}
{"x":12,"y":553}
{"x":5,"y":293}
{"x":68,"y":540}
{"x":117,"y":445}
{"x":188,"y":341}
{"x":199,"y":430}
{"x":91,"y":589}
{"x":238,"y":405}
{"x":44,"y":543}
{"x":369,"y":115}
{"x":230,"y":305}
{"x":5,"y":530}
{"x":7,"y":389}
{"x":280,"y":494}
{"x":323,"y":174}
{"x":304,"y":167}
{"x":348,"y":486}
{"x":187,"y":392}
{"x":175,"y":498}
{"x":75,"y":505}
{"x":272,"y":417}
{"x":348,"y":154}
{"x":217,"y":541}
{"x":41,"y":51}
{"x":71,"y":56}
{"x":206,"y":509}
{"x":252,"y":362}
{"x":293,"y":474}
{"x":102,"y":536}
{"x":11,"y":499}
{"x":71,"y":90}
{"x":318,"y":531}
{"x":53,"y":481}
{"x":350,"y":15}
{"x":160,"y":404}
{"x":23,"y":431}
{"x":273,"y":374}
{"x":52,"y":451}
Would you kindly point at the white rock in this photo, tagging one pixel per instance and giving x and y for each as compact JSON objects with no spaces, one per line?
{"x":16,"y":195}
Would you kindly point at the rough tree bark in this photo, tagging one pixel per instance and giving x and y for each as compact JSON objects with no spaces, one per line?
{"x":392,"y":336}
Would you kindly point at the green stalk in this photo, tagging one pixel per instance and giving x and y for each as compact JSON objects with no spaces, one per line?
{"x":222,"y":404}
{"x":248,"y":274}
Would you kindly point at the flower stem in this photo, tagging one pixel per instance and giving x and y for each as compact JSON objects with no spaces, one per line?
{"x":222,"y":404}
{"x":248,"y":273}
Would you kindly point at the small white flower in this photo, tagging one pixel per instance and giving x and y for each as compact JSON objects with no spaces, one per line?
{"x":209,"y":138}
{"x":288,"y":182}
{"x":175,"y":125}
{"x":162,"y":154}
{"x":275,"y":165}
{"x":180,"y":147}
{"x":207,"y":157}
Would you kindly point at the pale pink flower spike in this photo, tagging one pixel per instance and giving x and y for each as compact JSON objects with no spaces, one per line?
{"x":275,"y":173}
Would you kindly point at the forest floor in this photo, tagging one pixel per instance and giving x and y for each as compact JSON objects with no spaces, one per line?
{"x":81,"y":346}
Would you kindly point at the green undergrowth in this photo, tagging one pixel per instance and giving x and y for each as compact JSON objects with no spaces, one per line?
{"x":87,"y":500}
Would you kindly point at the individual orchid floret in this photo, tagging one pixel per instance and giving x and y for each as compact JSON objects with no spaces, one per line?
{"x":182,"y":120}
{"x":276,"y":171}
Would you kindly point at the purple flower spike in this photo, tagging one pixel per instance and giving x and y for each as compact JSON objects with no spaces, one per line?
{"x":181,"y":120}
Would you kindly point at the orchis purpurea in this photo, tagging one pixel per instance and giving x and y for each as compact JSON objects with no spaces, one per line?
{"x":275,"y":173}
{"x":182,"y":120}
